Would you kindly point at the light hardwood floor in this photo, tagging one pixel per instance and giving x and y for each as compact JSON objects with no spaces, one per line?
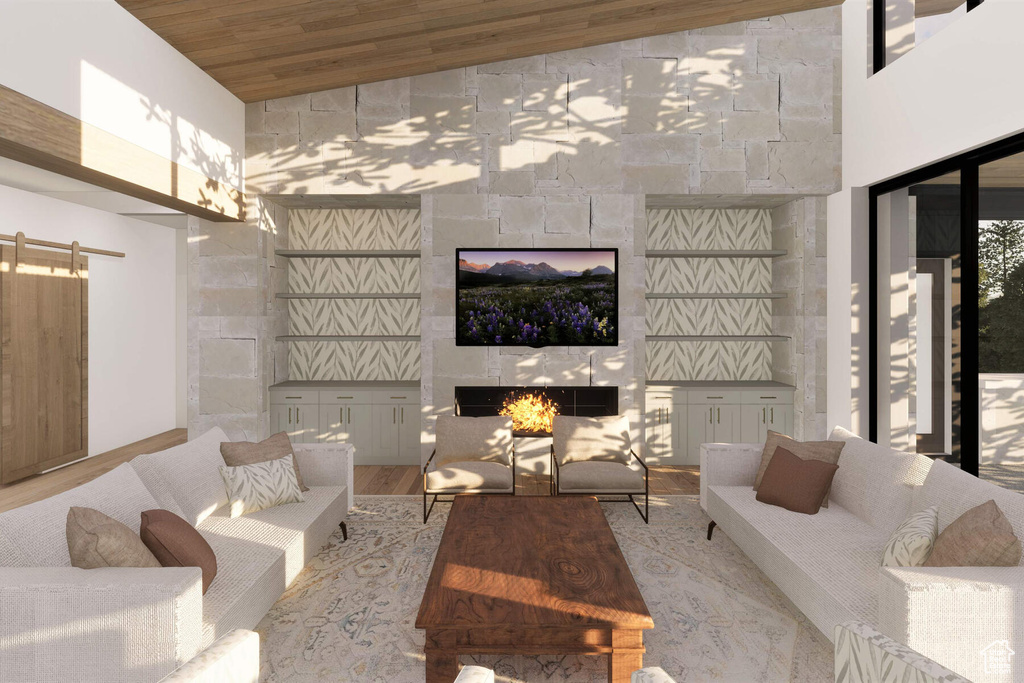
{"x":77,"y":473}
{"x":381,"y":480}
{"x":372,"y":480}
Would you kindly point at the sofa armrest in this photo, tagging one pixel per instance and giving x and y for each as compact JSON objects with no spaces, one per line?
{"x":326,"y":464}
{"x":863,"y":655}
{"x":475,"y":674}
{"x":651,"y":674}
{"x":956,"y":616}
{"x":235,"y":658}
{"x":110,"y":624}
{"x":727,"y":464}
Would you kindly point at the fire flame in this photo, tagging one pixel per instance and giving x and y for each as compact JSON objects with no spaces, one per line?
{"x":530,"y":412}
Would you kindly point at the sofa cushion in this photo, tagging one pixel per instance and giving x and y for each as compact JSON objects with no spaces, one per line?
{"x":238,"y":453}
{"x":39,"y":530}
{"x":266,"y":484}
{"x":187,"y":477}
{"x":954,"y":492}
{"x":912,"y":542}
{"x":826,"y":563}
{"x":825,"y":451}
{"x":175,"y":543}
{"x":600,"y":477}
{"x":876,"y":483}
{"x":587,"y":439}
{"x":96,"y":540}
{"x":794,"y":483}
{"x":470,"y":477}
{"x":485,"y":439}
{"x":259,"y":555}
{"x":981,"y":537}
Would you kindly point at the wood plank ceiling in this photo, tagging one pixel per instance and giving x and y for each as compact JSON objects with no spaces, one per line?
{"x":265,"y":49}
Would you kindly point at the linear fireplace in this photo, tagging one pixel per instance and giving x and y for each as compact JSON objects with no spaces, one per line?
{"x":530,"y":406}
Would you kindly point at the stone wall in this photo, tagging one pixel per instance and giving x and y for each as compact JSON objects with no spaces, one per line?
{"x":560,"y":150}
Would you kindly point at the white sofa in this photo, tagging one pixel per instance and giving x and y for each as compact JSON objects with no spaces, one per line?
{"x":58,"y":623}
{"x":828,"y":564}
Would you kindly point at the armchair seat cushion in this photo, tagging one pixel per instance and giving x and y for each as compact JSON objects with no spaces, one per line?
{"x":470,"y":476}
{"x":600,"y":477}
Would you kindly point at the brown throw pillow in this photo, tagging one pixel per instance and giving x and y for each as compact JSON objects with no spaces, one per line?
{"x":96,"y":540}
{"x":825,"y":451}
{"x":175,"y":543}
{"x":239,"y":453}
{"x":794,"y":483}
{"x":981,"y":537}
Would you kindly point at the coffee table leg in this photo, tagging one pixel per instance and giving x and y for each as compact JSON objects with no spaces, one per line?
{"x":627,"y":655}
{"x":442,"y":666}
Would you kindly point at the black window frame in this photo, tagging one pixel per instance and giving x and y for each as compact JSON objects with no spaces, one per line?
{"x":968,"y":165}
{"x":878,"y":51}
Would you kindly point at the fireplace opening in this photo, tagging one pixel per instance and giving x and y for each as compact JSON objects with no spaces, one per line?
{"x":533,"y":408}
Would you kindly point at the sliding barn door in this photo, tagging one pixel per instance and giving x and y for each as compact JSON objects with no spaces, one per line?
{"x":43,"y":360}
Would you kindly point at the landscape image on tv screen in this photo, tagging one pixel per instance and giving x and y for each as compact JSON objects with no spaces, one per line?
{"x":537,"y":297}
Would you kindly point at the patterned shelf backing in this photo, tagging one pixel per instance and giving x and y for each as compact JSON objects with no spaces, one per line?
{"x":719,"y":229}
{"x":354,"y":229}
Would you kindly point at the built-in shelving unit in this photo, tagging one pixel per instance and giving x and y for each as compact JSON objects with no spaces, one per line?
{"x":347,"y":253}
{"x":716,"y":253}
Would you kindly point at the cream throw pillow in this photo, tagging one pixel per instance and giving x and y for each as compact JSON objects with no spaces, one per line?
{"x":912,"y":542}
{"x":96,"y":540}
{"x":480,"y":439}
{"x":252,"y":488}
{"x":582,"y":439}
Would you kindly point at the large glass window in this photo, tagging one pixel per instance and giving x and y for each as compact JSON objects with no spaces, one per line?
{"x":900,"y":25}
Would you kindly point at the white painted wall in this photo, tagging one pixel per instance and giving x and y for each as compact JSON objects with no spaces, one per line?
{"x":132,"y":313}
{"x":957,"y":91}
{"x":93,"y":60}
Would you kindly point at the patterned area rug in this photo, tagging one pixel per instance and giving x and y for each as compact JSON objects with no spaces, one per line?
{"x":350,"y":615}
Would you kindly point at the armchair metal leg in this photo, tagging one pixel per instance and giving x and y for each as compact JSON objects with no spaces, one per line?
{"x":344,"y":532}
{"x":426,"y":510}
{"x":711,"y":528}
{"x":645,"y":514}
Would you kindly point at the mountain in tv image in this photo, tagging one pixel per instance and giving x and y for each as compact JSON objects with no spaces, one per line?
{"x":537,"y":298}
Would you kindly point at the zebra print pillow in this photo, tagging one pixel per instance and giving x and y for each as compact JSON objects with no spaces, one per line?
{"x":912,"y":542}
{"x":252,"y":488}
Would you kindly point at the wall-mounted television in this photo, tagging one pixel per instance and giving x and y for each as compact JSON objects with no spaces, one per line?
{"x":537,"y":297}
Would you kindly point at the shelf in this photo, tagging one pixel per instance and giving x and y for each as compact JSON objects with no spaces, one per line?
{"x":294,"y":295}
{"x":770,"y":295}
{"x":713,"y":253}
{"x":362,"y":337}
{"x":718,"y":337}
{"x":343,"y":253}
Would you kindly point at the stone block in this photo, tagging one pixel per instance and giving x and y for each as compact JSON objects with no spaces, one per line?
{"x":723,"y":159}
{"x":228,"y":395}
{"x":726,"y":182}
{"x":653,"y":114}
{"x":515,"y":240}
{"x":499,"y":92}
{"x":493,"y":123}
{"x":518,"y":183}
{"x":672,"y":45}
{"x":545,"y":92}
{"x":607,"y":54}
{"x":327,"y":125}
{"x":521,"y":215}
{"x":566,"y":370}
{"x":751,"y":95}
{"x":611,"y":216}
{"x":227,"y":271}
{"x":660,"y":149}
{"x":255,"y":118}
{"x":778,"y":54}
{"x":722,"y":54}
{"x":523,"y":369}
{"x":591,"y":164}
{"x":228,"y":357}
{"x":227,"y":301}
{"x":450,"y":233}
{"x":807,"y":129}
{"x":802,"y":166}
{"x":649,"y":76}
{"x":295,"y":103}
{"x":392,"y":93}
{"x":504,"y":155}
{"x":524,"y":65}
{"x":338,"y":99}
{"x":284,"y":121}
{"x":439,"y":114}
{"x":240,"y":327}
{"x":807,"y":86}
{"x":459,"y":361}
{"x":451,"y":82}
{"x":540,"y":125}
{"x":228,"y":239}
{"x":751,"y":125}
{"x":567,"y":215}
{"x":756,"y":160}
{"x":550,"y":240}
{"x":657,"y":179}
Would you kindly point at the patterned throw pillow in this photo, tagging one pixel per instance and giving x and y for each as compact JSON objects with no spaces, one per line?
{"x":252,"y":488}
{"x":912,"y":542}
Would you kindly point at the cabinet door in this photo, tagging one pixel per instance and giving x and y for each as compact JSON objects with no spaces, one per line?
{"x":658,"y":429}
{"x":699,"y":429}
{"x":385,"y":435}
{"x":780,"y":419}
{"x":753,"y":424}
{"x":726,"y":423}
{"x":409,"y":434}
{"x":307,"y":420}
{"x":332,"y":422}
{"x":280,"y":419}
{"x":358,"y":430}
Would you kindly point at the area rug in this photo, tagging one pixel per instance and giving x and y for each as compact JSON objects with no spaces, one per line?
{"x":350,"y":615}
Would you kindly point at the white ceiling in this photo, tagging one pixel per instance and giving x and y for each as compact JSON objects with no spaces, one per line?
{"x":24,"y":177}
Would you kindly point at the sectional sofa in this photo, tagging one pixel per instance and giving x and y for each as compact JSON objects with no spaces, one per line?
{"x":59,"y":623}
{"x":828,"y":564}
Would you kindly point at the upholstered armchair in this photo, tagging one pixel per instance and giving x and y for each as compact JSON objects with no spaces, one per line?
{"x":471,"y":455}
{"x":593,"y":456}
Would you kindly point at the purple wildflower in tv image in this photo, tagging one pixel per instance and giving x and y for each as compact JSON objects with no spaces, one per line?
{"x":537,"y":297}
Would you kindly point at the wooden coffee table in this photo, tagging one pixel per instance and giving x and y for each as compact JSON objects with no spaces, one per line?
{"x":531,"y":575}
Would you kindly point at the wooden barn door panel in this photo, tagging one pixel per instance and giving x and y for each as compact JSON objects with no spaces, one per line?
{"x":43,"y":361}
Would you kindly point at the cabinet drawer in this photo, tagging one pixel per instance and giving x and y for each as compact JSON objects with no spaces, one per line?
{"x":711,"y":396}
{"x":281,"y":396}
{"x":343,"y":396}
{"x":654,"y":396}
{"x":768,"y":397}
{"x":396,"y":396}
